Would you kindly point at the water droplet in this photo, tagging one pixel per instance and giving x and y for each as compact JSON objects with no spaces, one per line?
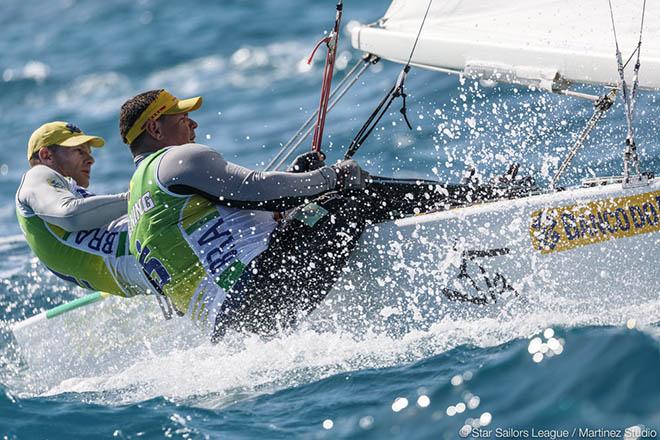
{"x":465,"y":431}
{"x":474,"y":402}
{"x":366,"y":422}
{"x":534,"y":345}
{"x":553,"y":344}
{"x":423,"y":401}
{"x":399,"y":404}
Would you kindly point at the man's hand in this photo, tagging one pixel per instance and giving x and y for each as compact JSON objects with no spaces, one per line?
{"x":350,"y":175}
{"x":307,"y":162}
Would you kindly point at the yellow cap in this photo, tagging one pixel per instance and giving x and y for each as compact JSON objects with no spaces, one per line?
{"x":60,"y":133}
{"x":164,"y":104}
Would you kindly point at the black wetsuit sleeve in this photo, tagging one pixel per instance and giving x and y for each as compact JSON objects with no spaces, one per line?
{"x":198,"y":169}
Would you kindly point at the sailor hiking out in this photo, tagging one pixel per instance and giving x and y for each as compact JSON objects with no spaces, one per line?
{"x":80,"y":237}
{"x":210,"y":234}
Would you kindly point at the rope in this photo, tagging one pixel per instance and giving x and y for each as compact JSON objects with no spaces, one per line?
{"x":375,"y":117}
{"x":396,"y":91}
{"x":337,"y":94}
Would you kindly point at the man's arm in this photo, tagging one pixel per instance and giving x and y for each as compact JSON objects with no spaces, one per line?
{"x":197,"y":169}
{"x":50,"y":196}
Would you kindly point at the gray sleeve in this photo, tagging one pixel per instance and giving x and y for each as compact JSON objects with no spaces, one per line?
{"x":198,"y":169}
{"x":45,"y":193}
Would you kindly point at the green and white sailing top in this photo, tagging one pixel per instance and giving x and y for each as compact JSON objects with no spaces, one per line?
{"x":80,"y":237}
{"x":196,"y":221}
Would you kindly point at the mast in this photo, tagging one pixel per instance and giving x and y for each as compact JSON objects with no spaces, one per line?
{"x":331,"y":42}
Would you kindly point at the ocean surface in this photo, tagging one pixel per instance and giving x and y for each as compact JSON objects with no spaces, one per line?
{"x":116,"y":371}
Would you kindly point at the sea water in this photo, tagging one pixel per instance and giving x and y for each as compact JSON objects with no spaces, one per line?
{"x":117,"y":370}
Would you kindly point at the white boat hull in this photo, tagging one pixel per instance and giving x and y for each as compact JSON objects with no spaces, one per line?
{"x":599,"y":244}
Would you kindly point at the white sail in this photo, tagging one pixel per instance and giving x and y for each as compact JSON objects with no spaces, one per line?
{"x":534,"y":42}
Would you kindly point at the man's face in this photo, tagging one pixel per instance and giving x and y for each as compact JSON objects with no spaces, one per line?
{"x":177,"y":129}
{"x":75,"y":162}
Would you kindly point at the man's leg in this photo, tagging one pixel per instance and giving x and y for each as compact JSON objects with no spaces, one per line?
{"x":303,"y":261}
{"x":406,"y":197}
{"x":392,"y":199}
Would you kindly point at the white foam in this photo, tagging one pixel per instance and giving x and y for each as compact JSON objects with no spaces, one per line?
{"x":128,"y":370}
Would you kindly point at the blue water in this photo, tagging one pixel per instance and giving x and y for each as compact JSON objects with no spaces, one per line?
{"x":79,"y":60}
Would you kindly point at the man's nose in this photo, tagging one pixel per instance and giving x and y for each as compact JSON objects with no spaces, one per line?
{"x":90,"y":159}
{"x":193,"y":123}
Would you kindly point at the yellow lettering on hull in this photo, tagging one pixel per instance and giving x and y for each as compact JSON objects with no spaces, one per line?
{"x":569,"y":227}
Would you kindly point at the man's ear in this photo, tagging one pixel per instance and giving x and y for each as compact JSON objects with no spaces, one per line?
{"x":46,"y":156}
{"x":152,"y":128}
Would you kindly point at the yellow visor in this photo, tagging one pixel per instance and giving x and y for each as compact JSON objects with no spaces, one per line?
{"x":164,"y":104}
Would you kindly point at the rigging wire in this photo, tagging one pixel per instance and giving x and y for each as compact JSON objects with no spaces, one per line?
{"x":629,"y":95}
{"x":426,"y":14}
{"x":603,"y":104}
{"x":630,"y":57}
{"x":637,"y":63}
{"x":396,"y":91}
{"x":337,"y":94}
